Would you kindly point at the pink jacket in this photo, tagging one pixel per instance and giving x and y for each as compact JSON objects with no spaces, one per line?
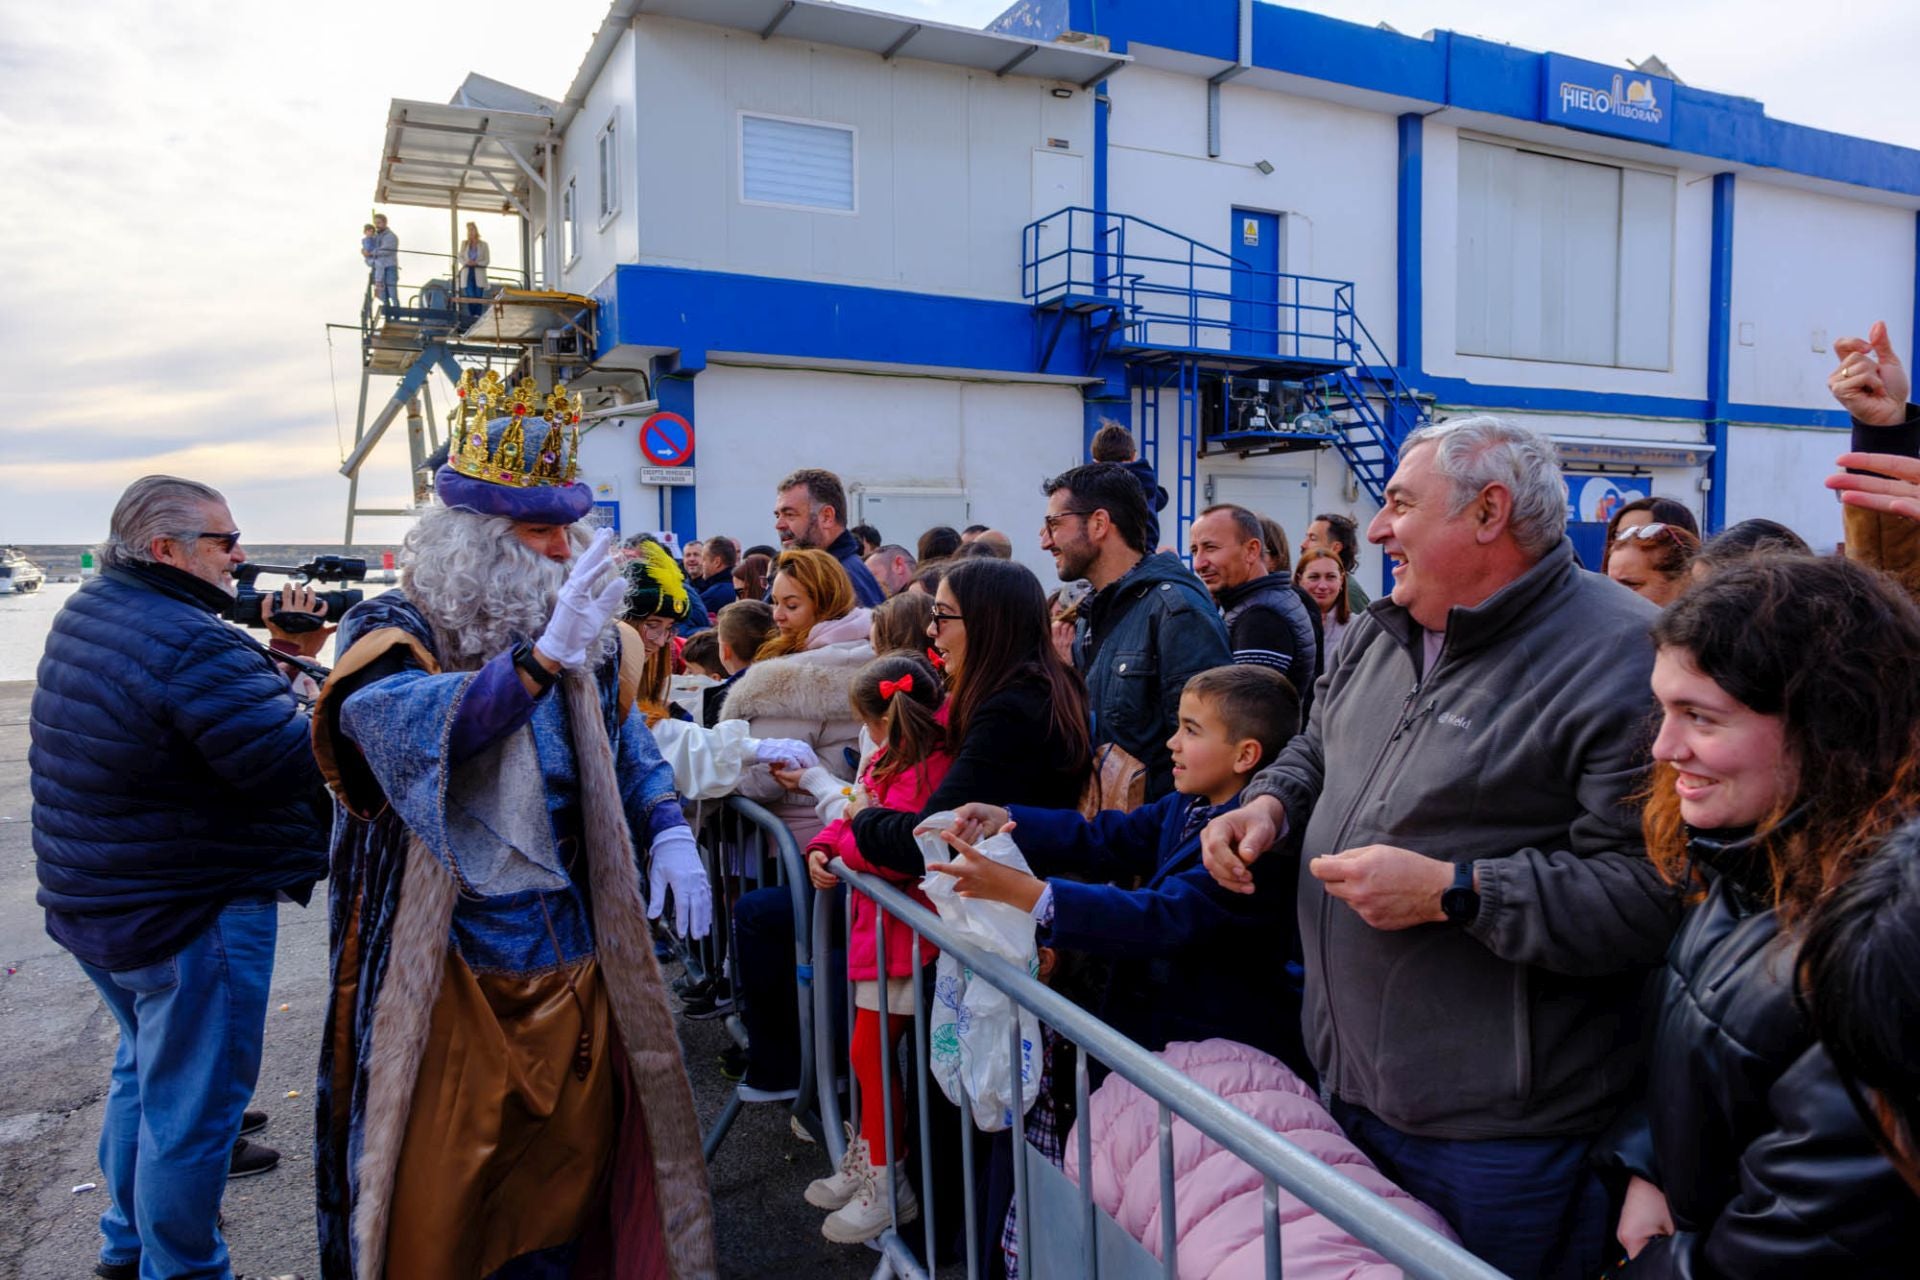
{"x":1216,"y":1195}
{"x":906,"y":792}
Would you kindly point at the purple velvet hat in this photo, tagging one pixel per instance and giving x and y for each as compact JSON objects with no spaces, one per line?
{"x":521,"y":465}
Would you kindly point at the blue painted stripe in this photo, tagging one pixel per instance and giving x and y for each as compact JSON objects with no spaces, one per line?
{"x":673,"y":388}
{"x":1719,"y":345}
{"x":695,"y":312}
{"x":1912,"y":356}
{"x":1479,"y":75}
{"x":1409,"y":329}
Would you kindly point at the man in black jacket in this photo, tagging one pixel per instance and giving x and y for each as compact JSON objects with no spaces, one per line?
{"x":175,"y":798}
{"x":811,"y":511}
{"x":1267,"y":623}
{"x":1150,"y":624}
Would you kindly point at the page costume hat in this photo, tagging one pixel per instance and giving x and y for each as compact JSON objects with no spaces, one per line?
{"x":514,"y":453}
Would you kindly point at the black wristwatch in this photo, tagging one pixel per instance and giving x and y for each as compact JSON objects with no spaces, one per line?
{"x":1461,"y":901}
{"x":523,"y":658}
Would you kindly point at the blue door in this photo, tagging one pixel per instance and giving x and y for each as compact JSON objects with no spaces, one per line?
{"x":1256,"y":281}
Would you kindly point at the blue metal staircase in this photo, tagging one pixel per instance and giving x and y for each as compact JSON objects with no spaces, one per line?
{"x":1180,"y":314}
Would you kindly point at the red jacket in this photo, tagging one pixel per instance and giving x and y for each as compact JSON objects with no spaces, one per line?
{"x":907,"y":792}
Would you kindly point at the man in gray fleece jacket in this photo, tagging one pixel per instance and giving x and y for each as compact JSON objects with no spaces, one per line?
{"x":1476,"y":907}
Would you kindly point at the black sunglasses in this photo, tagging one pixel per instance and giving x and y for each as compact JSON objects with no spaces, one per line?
{"x":227,"y":541}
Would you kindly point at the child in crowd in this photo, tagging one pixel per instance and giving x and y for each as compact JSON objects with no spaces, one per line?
{"x":1189,"y":961}
{"x":701,"y":654}
{"x":738,"y":632}
{"x":897,"y":697}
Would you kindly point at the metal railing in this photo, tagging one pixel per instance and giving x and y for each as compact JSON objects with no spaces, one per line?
{"x":1415,"y":1248}
{"x":1177,"y":292}
{"x":741,"y":840}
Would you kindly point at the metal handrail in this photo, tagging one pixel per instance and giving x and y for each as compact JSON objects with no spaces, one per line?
{"x":1417,"y":1249}
{"x":1098,"y":241}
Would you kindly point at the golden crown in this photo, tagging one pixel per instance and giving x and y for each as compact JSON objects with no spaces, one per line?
{"x":484,"y":399}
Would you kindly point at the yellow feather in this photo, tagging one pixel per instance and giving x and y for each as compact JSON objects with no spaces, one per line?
{"x":665,"y":571}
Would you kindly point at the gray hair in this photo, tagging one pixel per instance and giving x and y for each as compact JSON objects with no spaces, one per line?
{"x":1482,"y":450}
{"x":480,"y":587}
{"x":154,"y":507}
{"x":888,"y":550}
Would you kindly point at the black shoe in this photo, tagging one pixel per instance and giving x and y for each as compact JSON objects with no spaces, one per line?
{"x":733,"y":1063}
{"x":687,"y":984}
{"x":252,"y":1122}
{"x":715,"y":1002}
{"x":250,"y":1158}
{"x":117,"y":1270}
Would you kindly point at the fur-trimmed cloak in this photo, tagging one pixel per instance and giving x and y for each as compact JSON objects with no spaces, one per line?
{"x":501,"y":1092}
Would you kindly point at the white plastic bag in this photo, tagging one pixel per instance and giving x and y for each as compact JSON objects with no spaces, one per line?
{"x":973,"y":1022}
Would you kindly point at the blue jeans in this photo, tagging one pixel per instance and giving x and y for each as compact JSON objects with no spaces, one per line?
{"x":1533,"y":1207}
{"x":191,"y":1029}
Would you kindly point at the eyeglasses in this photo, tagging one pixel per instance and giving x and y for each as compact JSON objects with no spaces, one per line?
{"x":227,"y":541}
{"x":1051,"y":523}
{"x":941,"y":618}
{"x":1645,"y":532}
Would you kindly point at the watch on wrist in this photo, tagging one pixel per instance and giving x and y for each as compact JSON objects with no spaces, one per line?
{"x":1461,"y":901}
{"x":523,"y":658}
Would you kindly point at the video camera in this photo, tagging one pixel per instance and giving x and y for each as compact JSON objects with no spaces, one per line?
{"x":250,"y":604}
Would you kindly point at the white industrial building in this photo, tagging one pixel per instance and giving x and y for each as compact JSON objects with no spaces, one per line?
{"x":932,"y":258}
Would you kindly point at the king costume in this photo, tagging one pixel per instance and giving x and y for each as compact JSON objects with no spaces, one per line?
{"x":501,"y":1092}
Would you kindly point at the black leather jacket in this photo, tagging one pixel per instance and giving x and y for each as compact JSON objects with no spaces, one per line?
{"x":1767,"y":1168}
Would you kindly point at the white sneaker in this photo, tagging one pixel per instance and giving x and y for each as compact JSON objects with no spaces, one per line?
{"x":867,"y":1214}
{"x":843,"y":1185}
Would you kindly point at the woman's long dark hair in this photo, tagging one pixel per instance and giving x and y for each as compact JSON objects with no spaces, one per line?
{"x":1829,"y":647}
{"x":1859,"y":985}
{"x":1008,"y":639}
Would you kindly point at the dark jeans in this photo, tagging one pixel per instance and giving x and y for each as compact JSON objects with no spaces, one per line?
{"x":1533,"y":1207}
{"x":766,"y":986}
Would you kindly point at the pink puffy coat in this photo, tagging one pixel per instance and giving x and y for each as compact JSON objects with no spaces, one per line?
{"x":907,"y":792}
{"x":1216,"y":1195}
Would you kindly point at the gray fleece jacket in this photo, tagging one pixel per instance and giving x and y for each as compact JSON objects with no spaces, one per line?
{"x":1517,"y":751}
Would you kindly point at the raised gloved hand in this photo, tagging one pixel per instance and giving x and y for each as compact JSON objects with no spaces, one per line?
{"x":674,"y":863}
{"x":588,"y":600}
{"x":787,"y":751}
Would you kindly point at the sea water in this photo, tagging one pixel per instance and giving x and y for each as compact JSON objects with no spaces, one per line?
{"x":25,"y":621}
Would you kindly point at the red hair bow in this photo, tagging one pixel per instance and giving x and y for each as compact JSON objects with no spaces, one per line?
{"x":890,"y":687}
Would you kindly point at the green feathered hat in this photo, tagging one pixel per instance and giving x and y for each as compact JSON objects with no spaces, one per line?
{"x":656,"y":585}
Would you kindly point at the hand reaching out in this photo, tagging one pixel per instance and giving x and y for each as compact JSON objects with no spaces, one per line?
{"x":977,"y":876}
{"x":1871,"y":384}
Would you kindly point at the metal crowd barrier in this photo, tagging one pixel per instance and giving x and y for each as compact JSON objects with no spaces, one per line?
{"x":735,"y":838}
{"x":1102,"y":1247}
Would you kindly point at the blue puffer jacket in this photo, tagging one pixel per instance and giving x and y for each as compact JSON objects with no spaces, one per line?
{"x":172,"y":770}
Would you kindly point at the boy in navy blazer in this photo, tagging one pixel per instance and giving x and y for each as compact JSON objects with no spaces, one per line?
{"x":1190,"y":960}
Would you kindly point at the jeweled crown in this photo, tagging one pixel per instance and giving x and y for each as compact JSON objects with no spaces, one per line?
{"x":485,"y":404}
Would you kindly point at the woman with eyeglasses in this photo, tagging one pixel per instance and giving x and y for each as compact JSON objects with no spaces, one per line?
{"x":1775,"y":779}
{"x":1642,"y":511}
{"x":1652,"y":560}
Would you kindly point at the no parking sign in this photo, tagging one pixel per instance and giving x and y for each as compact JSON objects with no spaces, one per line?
{"x":666,"y":439}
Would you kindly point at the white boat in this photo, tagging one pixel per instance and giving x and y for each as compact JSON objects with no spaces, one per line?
{"x":18,"y":575}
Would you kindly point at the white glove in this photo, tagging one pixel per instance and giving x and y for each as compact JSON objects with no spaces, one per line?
{"x":588,"y":600}
{"x":675,"y":863}
{"x":785,"y":751}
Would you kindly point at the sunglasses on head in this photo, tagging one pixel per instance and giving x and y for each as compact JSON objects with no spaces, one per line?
{"x":1645,"y":532}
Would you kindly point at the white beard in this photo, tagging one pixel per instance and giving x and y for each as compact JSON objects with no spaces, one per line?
{"x":481,"y":589}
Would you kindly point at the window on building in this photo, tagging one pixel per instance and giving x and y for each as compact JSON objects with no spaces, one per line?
{"x":796,"y":163}
{"x":569,"y":223}
{"x":607,"y":148}
{"x":1563,"y":260}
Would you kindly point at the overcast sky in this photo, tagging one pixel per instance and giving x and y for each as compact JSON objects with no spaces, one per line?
{"x":186,"y":183}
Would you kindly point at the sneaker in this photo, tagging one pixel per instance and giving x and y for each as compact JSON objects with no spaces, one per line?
{"x":716,"y":1002}
{"x":838,"y":1188}
{"x":250,"y":1158}
{"x":117,"y":1270}
{"x":867,"y":1214}
{"x":687,"y":984}
{"x":733,"y":1063}
{"x":252,"y":1122}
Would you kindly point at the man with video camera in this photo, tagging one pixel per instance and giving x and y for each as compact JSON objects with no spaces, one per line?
{"x":175,"y":800}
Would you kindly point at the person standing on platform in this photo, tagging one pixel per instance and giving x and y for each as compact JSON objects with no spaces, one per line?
{"x":386,"y":263}
{"x":474,"y":258}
